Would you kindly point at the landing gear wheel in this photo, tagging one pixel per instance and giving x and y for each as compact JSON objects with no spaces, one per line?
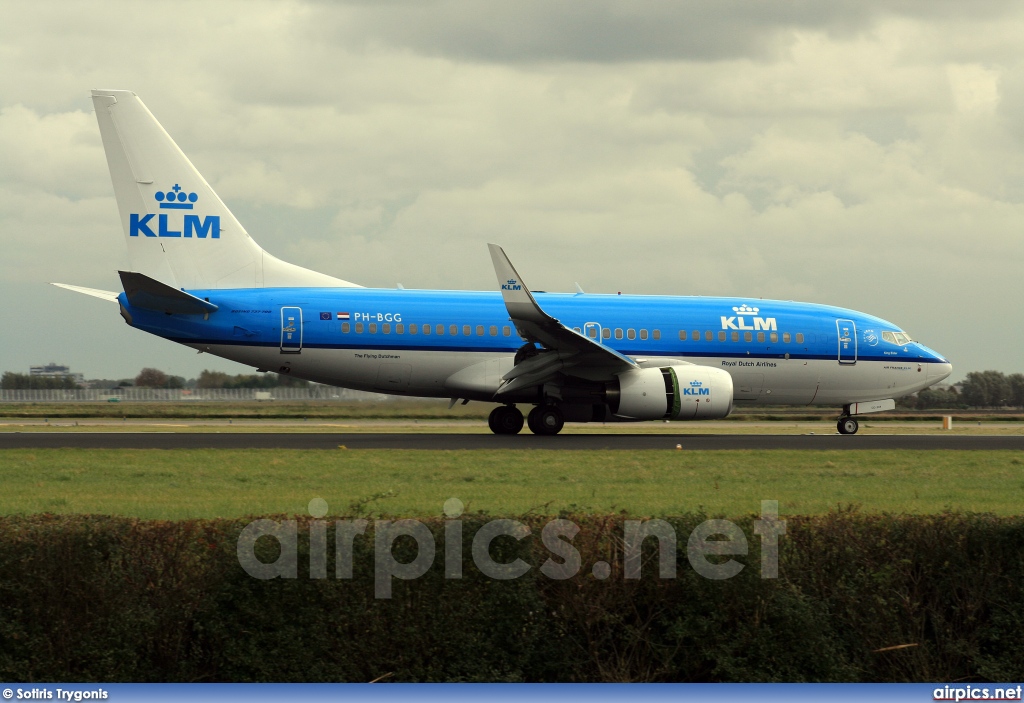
{"x":847,"y":425}
{"x":546,"y":420}
{"x":531,"y":420}
{"x":505,"y":419}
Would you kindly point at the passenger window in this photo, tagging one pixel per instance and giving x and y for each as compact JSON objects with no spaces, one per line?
{"x":592,"y":332}
{"x":345,"y":327}
{"x":774,"y":336}
{"x":631,"y":333}
{"x":736,"y":336}
{"x":747,"y":337}
{"x":618,"y":333}
{"x":439,"y":329}
{"x":399,"y":328}
{"x":577,"y":330}
{"x":799,"y":337}
{"x":709,"y":336}
{"x":606,"y":333}
{"x":682,"y":335}
{"x":506,"y":331}
{"x":760,"y":336}
{"x":453,"y":330}
{"x":412,"y":328}
{"x":426,"y":329}
{"x":467,"y":330}
{"x":695,"y":335}
{"x":656,"y":334}
{"x":386,"y":328}
{"x":785,"y":337}
{"x":494,"y":330}
{"x":479,"y":330}
{"x":643,"y":334}
{"x":721,"y":336}
{"x":373,"y":328}
{"x":359,"y":328}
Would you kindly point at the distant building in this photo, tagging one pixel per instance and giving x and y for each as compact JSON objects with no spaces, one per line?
{"x":53,"y":370}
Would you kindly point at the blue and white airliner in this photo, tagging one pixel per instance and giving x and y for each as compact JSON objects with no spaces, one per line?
{"x":200,"y":280}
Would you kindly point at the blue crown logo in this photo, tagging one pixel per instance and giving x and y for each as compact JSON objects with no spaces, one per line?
{"x":696,"y":384}
{"x":175,"y":199}
{"x":511,"y":281}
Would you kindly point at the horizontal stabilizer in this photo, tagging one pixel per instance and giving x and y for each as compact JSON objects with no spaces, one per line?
{"x":107,"y":295}
{"x":150,"y":294}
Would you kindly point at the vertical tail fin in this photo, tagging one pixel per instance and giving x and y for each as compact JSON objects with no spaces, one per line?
{"x":177,"y":230}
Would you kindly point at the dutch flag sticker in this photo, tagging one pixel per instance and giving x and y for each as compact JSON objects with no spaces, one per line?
{"x":342,"y":315}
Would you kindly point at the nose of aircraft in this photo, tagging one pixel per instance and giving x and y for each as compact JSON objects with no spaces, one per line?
{"x":939,"y":368}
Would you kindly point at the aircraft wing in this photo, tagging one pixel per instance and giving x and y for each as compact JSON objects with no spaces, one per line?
{"x":565,"y":350}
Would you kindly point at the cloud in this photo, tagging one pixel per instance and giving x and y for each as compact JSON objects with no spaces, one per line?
{"x":864,"y":154}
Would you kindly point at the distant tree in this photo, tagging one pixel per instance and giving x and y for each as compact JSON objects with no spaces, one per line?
{"x":22,"y":381}
{"x":175,"y":382}
{"x":986,"y":389}
{"x":1016,"y":382}
{"x":219,"y":379}
{"x":938,"y":398}
{"x":151,"y":378}
{"x":211,"y":379}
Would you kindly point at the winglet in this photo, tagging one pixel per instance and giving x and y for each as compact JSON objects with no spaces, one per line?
{"x":518,"y":299}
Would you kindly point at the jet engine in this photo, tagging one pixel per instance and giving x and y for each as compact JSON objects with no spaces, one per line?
{"x":672,"y":393}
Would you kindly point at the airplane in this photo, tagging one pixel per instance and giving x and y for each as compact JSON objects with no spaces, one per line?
{"x":200,"y":280}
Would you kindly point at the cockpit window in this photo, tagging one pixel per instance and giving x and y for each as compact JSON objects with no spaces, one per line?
{"x":900,"y":338}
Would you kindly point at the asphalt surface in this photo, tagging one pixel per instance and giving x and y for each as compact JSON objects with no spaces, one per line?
{"x":283,"y":440}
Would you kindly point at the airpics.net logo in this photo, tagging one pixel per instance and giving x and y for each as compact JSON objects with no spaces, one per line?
{"x":709,"y":547}
{"x":189,"y":227}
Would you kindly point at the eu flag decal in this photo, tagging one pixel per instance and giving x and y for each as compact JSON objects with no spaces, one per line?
{"x":325,"y":316}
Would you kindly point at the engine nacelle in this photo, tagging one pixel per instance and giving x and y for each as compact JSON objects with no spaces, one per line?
{"x":673,"y":393}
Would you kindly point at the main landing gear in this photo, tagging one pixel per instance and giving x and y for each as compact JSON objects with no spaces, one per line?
{"x":542,"y":420}
{"x":847,"y":425}
{"x":505,"y":419}
{"x":545,"y":420}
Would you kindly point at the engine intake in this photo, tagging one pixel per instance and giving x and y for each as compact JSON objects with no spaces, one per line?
{"x":672,"y":393}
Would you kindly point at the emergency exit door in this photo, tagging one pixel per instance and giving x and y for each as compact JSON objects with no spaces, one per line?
{"x":291,"y":330}
{"x":847,"y":341}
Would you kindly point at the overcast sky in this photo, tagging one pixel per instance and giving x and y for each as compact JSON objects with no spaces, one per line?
{"x":856,"y":153}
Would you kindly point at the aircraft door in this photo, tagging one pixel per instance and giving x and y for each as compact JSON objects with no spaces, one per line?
{"x":593,"y":330}
{"x":291,"y":330}
{"x":847,"y":341}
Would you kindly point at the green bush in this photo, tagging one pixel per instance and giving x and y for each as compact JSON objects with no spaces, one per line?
{"x":89,"y":598}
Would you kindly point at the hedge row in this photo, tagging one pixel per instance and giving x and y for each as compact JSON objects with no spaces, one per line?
{"x":86,"y":598}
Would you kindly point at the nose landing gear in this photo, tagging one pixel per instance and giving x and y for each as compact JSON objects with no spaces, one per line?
{"x":847,"y":425}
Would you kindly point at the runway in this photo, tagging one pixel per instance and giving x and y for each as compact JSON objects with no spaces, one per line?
{"x":368,"y":440}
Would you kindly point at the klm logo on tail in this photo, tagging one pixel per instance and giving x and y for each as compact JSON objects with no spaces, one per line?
{"x":511,"y":285}
{"x":191,"y":227}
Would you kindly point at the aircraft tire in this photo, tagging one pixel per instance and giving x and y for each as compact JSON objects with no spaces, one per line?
{"x":847,"y":425}
{"x":505,"y":419}
{"x":531,"y":419}
{"x":549,"y":420}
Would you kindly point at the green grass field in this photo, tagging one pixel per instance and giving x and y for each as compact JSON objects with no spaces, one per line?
{"x":229,"y":483}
